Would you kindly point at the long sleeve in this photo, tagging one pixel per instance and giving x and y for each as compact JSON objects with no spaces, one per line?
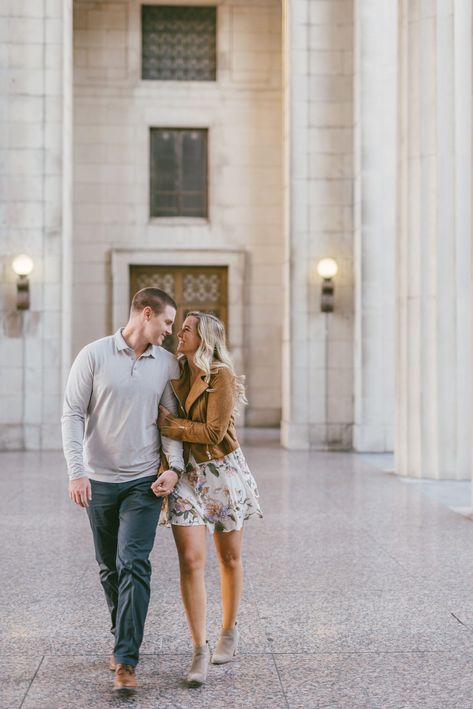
{"x":220,"y":404}
{"x":76,"y":402}
{"x":172,"y":448}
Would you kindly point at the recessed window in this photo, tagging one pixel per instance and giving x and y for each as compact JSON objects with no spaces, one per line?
{"x":178,"y":43}
{"x":178,"y":172}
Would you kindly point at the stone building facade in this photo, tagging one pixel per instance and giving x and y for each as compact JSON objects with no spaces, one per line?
{"x":334,"y":128}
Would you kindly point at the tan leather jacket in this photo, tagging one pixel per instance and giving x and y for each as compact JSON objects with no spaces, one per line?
{"x":207,"y":426}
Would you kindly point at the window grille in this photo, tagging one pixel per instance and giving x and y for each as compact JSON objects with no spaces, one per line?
{"x":178,"y":172}
{"x":179,"y":43}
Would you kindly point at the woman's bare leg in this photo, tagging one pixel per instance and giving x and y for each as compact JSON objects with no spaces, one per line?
{"x":228,"y":548}
{"x":191,"y":544}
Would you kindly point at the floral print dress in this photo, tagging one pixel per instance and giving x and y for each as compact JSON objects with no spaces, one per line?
{"x":220,"y":494}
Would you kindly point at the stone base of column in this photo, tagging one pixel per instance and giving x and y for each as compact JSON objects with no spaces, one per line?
{"x":331,"y":437}
{"x":295,"y":436}
{"x":319,"y":437}
{"x":11,"y":437}
{"x":30,"y":437}
{"x":373,"y":439}
{"x":418,"y":471}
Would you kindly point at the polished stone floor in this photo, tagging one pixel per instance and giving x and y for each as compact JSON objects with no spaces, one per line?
{"x":359,"y":593}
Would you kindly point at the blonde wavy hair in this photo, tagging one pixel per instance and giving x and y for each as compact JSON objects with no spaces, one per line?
{"x":212,"y":353}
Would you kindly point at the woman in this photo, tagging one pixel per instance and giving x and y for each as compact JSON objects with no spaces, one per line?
{"x":217,"y":492}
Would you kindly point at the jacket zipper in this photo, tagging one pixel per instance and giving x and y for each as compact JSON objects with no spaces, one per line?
{"x":180,"y":402}
{"x":184,"y":412}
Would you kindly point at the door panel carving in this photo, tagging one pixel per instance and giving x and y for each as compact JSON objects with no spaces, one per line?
{"x":192,"y":287}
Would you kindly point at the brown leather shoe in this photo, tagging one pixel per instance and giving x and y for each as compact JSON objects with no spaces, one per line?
{"x":112,"y":665}
{"x":125,"y":677}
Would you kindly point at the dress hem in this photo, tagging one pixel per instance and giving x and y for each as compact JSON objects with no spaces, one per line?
{"x":209,"y":527}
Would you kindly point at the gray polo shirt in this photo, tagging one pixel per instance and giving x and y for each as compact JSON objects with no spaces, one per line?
{"x":110,"y":409}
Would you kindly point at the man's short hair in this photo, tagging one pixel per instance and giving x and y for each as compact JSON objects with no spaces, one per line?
{"x":154,"y":298}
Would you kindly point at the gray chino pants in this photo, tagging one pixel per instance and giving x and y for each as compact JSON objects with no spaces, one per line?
{"x":123,"y":518}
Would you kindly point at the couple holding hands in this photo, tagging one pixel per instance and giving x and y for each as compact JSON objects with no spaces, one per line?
{"x":132,"y":409}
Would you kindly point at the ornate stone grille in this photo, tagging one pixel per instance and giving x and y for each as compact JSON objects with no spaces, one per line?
{"x":164,"y":281}
{"x":202,"y":288}
{"x":179,"y":43}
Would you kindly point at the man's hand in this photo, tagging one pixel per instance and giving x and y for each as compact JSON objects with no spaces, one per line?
{"x":165,"y":484}
{"x":80,"y":491}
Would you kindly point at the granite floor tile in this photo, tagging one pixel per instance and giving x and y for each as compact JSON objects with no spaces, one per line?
{"x":362,"y":578}
{"x":377,"y":681}
{"x":166,"y":629}
{"x":353,"y":582}
{"x":300,"y":634}
{"x":380,"y":621}
{"x":16,"y":674}
{"x":85,"y":627}
{"x":84,"y":682}
{"x":25,"y":639}
{"x":460,"y":608}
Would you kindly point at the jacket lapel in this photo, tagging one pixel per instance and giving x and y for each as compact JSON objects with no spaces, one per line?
{"x":198,"y":388}
{"x":181,"y":387}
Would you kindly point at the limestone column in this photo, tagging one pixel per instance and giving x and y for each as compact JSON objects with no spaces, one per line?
{"x":295,"y":356}
{"x":36,"y":217}
{"x":318,"y":140}
{"x":375,"y":223}
{"x":434,"y":233}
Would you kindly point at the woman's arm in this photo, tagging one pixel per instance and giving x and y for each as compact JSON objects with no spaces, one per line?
{"x":220,"y":404}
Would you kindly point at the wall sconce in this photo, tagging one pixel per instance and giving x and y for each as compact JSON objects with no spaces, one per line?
{"x":327,"y":268}
{"x":22,"y":265}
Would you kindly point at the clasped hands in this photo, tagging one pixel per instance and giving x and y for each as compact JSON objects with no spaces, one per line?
{"x":165,"y":484}
{"x":80,"y":490}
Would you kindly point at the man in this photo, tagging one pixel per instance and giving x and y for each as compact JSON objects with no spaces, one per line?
{"x":112,"y":448}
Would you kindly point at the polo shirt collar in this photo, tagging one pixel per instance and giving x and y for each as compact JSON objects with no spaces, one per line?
{"x":120,"y":341}
{"x":121,"y":345}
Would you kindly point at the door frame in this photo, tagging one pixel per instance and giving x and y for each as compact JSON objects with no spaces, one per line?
{"x":122,"y":259}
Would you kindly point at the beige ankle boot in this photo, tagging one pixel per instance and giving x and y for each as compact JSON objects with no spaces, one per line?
{"x":200,"y":664}
{"x":226,"y":647}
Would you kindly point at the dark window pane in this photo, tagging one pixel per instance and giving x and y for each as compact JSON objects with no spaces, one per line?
{"x":178,"y":43}
{"x":164,"y":176}
{"x":192,"y":160}
{"x":165,"y":147}
{"x":192,"y":204}
{"x":166,"y":204}
{"x":178,"y":172}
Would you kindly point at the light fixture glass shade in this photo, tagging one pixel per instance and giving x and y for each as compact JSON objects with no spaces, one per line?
{"x":327,"y":268}
{"x":23,"y":265}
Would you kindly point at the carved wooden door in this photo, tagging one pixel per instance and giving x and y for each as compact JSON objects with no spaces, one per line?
{"x":192,"y":287}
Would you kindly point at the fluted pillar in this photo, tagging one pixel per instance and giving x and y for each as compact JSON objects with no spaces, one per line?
{"x":318,"y":209}
{"x":434,"y":234}
{"x":36,"y":117}
{"x":375,"y":223}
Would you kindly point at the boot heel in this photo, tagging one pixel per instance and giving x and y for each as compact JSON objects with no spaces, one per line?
{"x":200,"y":664}
{"x":226,"y":648}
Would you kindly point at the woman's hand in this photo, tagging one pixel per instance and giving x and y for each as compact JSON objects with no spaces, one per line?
{"x":165,"y":484}
{"x":165,"y":418}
